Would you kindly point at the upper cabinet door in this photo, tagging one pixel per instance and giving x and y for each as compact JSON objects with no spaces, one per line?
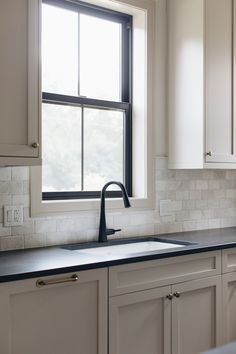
{"x":219,"y":81}
{"x":19,"y":81}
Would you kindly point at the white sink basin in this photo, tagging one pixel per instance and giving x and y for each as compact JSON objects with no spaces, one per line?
{"x":128,"y":249}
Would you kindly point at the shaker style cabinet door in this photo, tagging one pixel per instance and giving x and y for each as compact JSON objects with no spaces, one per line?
{"x":140,"y":322}
{"x":19,"y":82}
{"x":229,"y":307}
{"x":219,"y":80}
{"x":65,"y":315}
{"x":196,"y":316}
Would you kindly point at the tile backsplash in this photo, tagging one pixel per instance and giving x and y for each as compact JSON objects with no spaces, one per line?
{"x":199,"y":199}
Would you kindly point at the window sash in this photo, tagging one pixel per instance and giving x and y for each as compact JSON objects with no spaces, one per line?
{"x":124,"y":104}
{"x":50,"y":98}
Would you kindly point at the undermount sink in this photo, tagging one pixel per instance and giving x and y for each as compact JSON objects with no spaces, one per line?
{"x":128,"y":249}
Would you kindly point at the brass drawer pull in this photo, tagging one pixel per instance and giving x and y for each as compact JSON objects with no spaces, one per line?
{"x":40,"y":282}
{"x":169,"y":296}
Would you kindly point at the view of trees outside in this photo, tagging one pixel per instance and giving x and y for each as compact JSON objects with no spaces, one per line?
{"x":103,"y":147}
{"x":80,"y":52}
{"x":61,"y":148}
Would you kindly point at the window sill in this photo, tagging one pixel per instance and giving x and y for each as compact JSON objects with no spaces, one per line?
{"x":47,"y":208}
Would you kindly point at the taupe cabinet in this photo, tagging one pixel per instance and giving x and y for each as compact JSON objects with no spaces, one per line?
{"x":182,"y":318}
{"x":202,"y":129}
{"x":63,"y":316}
{"x":229,"y":294}
{"x":19,"y":82}
{"x":178,"y":305}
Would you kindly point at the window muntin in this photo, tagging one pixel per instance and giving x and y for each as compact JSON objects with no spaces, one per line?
{"x":107,"y":98}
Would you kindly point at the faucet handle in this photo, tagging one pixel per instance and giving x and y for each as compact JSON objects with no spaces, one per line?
{"x":112,"y":231}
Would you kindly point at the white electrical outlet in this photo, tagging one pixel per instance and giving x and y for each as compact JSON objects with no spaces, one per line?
{"x":165,"y":208}
{"x":13,"y":215}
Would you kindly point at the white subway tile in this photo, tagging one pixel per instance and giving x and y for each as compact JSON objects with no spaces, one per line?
{"x":4,"y":231}
{"x":20,"y":173}
{"x":182,"y":215}
{"x":228,"y":222}
{"x":182,"y":195}
{"x":5,"y":174}
{"x":195,"y":214}
{"x":45,"y":226}
{"x":10,"y":187}
{"x":201,"y":185}
{"x":35,"y":240}
{"x":195,"y":195}
{"x":168,"y":228}
{"x":214,"y":223}
{"x":188,"y":204}
{"x":26,"y":229}
{"x":21,"y":200}
{"x":11,"y":243}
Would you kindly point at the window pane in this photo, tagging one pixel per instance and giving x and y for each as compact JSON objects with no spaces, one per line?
{"x":59,"y":50}
{"x":100,"y":58}
{"x":103,"y":147}
{"x":61,"y":132}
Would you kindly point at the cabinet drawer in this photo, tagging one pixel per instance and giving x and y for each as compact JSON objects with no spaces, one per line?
{"x":146,"y":275}
{"x":229,"y":260}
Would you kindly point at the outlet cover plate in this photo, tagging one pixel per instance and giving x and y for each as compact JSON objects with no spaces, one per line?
{"x":13,"y":215}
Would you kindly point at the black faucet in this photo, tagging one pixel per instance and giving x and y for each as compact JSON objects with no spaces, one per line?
{"x":103,"y":231}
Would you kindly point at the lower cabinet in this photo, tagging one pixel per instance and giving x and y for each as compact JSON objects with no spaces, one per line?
{"x":140,"y":323}
{"x":183,"y":318}
{"x":229,"y":307}
{"x":196,"y":316}
{"x":55,"y":315}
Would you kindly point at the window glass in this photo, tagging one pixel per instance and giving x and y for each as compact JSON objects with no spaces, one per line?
{"x":100,"y":58}
{"x":61,"y":148}
{"x":103,"y":147}
{"x":59,"y":50}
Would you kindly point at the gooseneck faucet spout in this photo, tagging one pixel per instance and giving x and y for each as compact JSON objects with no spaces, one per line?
{"x":103,"y":231}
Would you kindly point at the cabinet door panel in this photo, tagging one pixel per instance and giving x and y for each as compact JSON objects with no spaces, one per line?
{"x":19,"y":77}
{"x":140,"y":323}
{"x":219,"y":81}
{"x":66,"y":318}
{"x":196,"y":316}
{"x":229,"y":307}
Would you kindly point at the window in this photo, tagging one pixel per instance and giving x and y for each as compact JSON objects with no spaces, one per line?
{"x":86,"y":109}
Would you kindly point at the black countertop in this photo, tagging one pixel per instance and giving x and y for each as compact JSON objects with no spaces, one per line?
{"x":23,"y":264}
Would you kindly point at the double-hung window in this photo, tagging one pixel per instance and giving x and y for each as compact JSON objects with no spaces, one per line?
{"x":86,"y":100}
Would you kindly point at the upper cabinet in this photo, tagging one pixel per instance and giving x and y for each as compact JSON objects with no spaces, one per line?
{"x":19,"y":82}
{"x":201,"y":107}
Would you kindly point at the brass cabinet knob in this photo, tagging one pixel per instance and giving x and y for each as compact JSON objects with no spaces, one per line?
{"x":169,"y":296}
{"x":35,"y":145}
{"x":209,"y":153}
{"x":176,"y":294}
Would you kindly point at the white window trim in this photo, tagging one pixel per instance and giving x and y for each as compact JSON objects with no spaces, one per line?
{"x":143,"y":157}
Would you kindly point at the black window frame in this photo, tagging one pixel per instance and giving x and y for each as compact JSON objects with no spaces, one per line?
{"x":126,"y":96}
